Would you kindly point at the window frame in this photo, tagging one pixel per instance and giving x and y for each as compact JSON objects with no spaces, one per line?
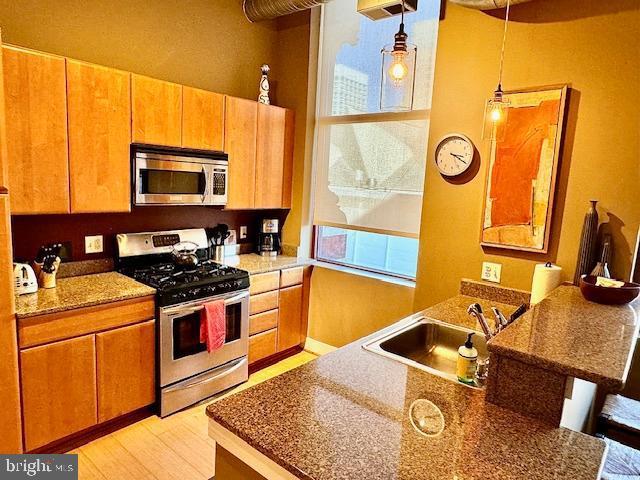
{"x":323,"y":122}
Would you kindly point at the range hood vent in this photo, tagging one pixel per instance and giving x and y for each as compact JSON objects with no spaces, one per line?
{"x":379,"y":9}
{"x":486,"y":4}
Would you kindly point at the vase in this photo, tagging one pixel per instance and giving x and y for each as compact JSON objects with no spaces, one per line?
{"x":588,"y":239}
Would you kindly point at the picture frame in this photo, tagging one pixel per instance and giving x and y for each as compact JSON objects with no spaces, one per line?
{"x":521,"y":176}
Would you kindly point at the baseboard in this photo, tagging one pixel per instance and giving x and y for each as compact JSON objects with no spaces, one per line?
{"x":273,"y":359}
{"x":317,"y":348}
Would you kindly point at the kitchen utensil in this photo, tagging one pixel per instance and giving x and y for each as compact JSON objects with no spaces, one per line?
{"x":601,"y":270}
{"x":184,"y":254}
{"x":608,"y":295}
{"x":588,"y":243}
{"x":25,"y":280}
{"x":518,"y":312}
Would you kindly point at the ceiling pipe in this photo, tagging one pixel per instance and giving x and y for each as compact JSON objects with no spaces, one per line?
{"x":486,"y":4}
{"x":258,"y":10}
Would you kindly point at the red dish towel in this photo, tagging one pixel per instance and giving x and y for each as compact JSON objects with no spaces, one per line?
{"x":213,"y":325}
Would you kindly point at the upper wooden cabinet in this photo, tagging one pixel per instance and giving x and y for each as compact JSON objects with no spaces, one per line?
{"x":4,"y":165}
{"x":202,"y":119}
{"x":240,"y":135}
{"x":99,"y":110}
{"x":157,"y":111}
{"x":270,"y":156}
{"x":58,"y":390}
{"x":36,"y":129}
{"x":287,"y":171}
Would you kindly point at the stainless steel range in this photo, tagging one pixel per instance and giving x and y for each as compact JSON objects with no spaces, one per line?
{"x":187,"y":373}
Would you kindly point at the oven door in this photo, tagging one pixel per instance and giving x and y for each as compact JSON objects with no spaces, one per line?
{"x":166,"y":182}
{"x":182,"y":355}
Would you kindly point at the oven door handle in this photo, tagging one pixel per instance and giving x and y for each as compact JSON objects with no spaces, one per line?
{"x":239,"y":363}
{"x":187,"y":310}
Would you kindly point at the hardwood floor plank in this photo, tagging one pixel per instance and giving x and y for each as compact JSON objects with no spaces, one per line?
{"x":155,"y":455}
{"x":86,"y":469}
{"x":113,"y":460}
{"x":192,"y":448}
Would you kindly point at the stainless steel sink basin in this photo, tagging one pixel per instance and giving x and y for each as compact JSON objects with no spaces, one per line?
{"x":429,"y":345}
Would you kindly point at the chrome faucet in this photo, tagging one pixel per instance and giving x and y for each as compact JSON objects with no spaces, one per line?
{"x":475,"y":310}
{"x":501,"y":322}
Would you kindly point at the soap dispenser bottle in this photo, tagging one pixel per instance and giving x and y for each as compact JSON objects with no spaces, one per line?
{"x":467,"y":361}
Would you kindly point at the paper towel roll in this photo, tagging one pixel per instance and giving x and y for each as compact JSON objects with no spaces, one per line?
{"x":546,"y":277}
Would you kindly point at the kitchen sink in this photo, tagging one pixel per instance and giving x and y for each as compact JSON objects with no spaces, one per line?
{"x":429,"y":345}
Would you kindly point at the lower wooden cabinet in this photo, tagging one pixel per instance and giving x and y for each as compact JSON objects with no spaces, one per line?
{"x":262,"y":345}
{"x":58,"y":390}
{"x":126,"y":369}
{"x":290,"y":321}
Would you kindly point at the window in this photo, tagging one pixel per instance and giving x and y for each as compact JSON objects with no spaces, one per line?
{"x":370,"y":164}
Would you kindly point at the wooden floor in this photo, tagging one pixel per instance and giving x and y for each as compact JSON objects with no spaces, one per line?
{"x":176,"y":447}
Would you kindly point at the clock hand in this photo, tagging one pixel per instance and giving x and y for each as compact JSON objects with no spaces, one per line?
{"x":458,"y":157}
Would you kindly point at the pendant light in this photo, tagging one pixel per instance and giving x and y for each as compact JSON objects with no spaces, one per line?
{"x":398,"y":72}
{"x":498,"y":106}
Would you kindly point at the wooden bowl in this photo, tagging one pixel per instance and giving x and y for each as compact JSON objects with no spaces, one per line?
{"x":608,"y":295}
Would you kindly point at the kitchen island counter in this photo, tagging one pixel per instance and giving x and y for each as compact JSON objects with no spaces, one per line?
{"x":346,"y":416}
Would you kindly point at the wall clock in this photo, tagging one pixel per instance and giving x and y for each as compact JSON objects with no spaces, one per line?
{"x":454,"y":155}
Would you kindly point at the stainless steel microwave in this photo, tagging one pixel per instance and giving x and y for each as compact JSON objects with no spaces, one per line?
{"x":176,"y":176}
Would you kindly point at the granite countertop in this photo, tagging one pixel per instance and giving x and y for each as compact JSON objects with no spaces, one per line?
{"x":254,"y":263}
{"x":569,"y":335}
{"x":454,"y":310}
{"x":346,"y":416}
{"x":81,"y":291}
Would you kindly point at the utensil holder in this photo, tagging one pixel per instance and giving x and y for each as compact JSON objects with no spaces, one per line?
{"x":218,"y":253}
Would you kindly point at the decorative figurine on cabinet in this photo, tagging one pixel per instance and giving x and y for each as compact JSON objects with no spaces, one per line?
{"x":263,"y":97}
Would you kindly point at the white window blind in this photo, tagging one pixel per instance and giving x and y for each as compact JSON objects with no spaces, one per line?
{"x":370,"y":165}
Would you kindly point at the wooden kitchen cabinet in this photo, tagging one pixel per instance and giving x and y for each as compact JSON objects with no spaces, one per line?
{"x":290,"y":321}
{"x":156,"y":111}
{"x":58,"y":390}
{"x":10,"y":419}
{"x":262,"y":345}
{"x":99,"y":111}
{"x":240,"y":134}
{"x":4,"y":165}
{"x":263,"y":321}
{"x":36,"y":131}
{"x":202,"y":119}
{"x":270,"y":156}
{"x":126,"y":369}
{"x":287,"y":172}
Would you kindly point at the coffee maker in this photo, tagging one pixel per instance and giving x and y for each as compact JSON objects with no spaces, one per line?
{"x":268,"y":238}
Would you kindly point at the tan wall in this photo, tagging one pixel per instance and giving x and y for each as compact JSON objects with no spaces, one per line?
{"x":344,"y":307}
{"x":595,"y":48}
{"x":203,"y":43}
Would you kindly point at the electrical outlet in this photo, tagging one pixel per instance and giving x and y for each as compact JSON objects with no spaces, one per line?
{"x":491,"y":271}
{"x":243,"y":232}
{"x":93,"y":244}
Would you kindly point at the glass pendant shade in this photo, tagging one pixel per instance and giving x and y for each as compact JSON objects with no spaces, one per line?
{"x":495,"y":116}
{"x":398,"y":78}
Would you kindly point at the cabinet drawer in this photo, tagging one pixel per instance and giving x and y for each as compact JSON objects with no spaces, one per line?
{"x":58,"y":326}
{"x":263,"y":302}
{"x":264,"y":282}
{"x":262,"y":345}
{"x":291,"y":277}
{"x":263,"y":321}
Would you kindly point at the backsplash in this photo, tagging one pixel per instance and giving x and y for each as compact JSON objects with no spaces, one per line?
{"x":31,"y":231}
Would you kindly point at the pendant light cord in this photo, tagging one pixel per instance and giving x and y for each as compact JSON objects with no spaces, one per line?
{"x":504,"y":42}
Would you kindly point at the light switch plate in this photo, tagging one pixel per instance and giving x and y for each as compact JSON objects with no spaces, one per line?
{"x":491,"y":272}
{"x":93,"y":244}
{"x":243,"y":232}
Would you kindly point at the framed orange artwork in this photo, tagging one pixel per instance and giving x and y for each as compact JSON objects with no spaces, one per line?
{"x":521,"y":177}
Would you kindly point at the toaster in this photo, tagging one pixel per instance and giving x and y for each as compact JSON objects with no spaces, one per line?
{"x":25,"y":280}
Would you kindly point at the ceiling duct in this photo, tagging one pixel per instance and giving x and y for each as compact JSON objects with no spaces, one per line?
{"x":486,"y":4}
{"x":258,"y":10}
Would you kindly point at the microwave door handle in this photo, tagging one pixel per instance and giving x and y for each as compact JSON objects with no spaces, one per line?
{"x":206,"y":185}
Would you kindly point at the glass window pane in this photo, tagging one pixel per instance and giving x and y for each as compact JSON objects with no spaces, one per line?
{"x":371,"y":251}
{"x":352,"y":62}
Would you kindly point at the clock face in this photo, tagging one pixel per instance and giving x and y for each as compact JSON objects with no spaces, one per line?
{"x":454,"y":155}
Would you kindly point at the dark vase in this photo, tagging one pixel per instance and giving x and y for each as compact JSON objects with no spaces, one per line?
{"x":588,"y":243}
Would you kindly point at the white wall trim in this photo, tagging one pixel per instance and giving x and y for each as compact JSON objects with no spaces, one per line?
{"x":317,"y":347}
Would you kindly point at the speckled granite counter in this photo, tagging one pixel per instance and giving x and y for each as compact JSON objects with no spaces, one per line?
{"x":254,"y":263}
{"x":571,"y":336}
{"x":82,"y":291}
{"x":345,"y":416}
{"x":454,"y":310}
